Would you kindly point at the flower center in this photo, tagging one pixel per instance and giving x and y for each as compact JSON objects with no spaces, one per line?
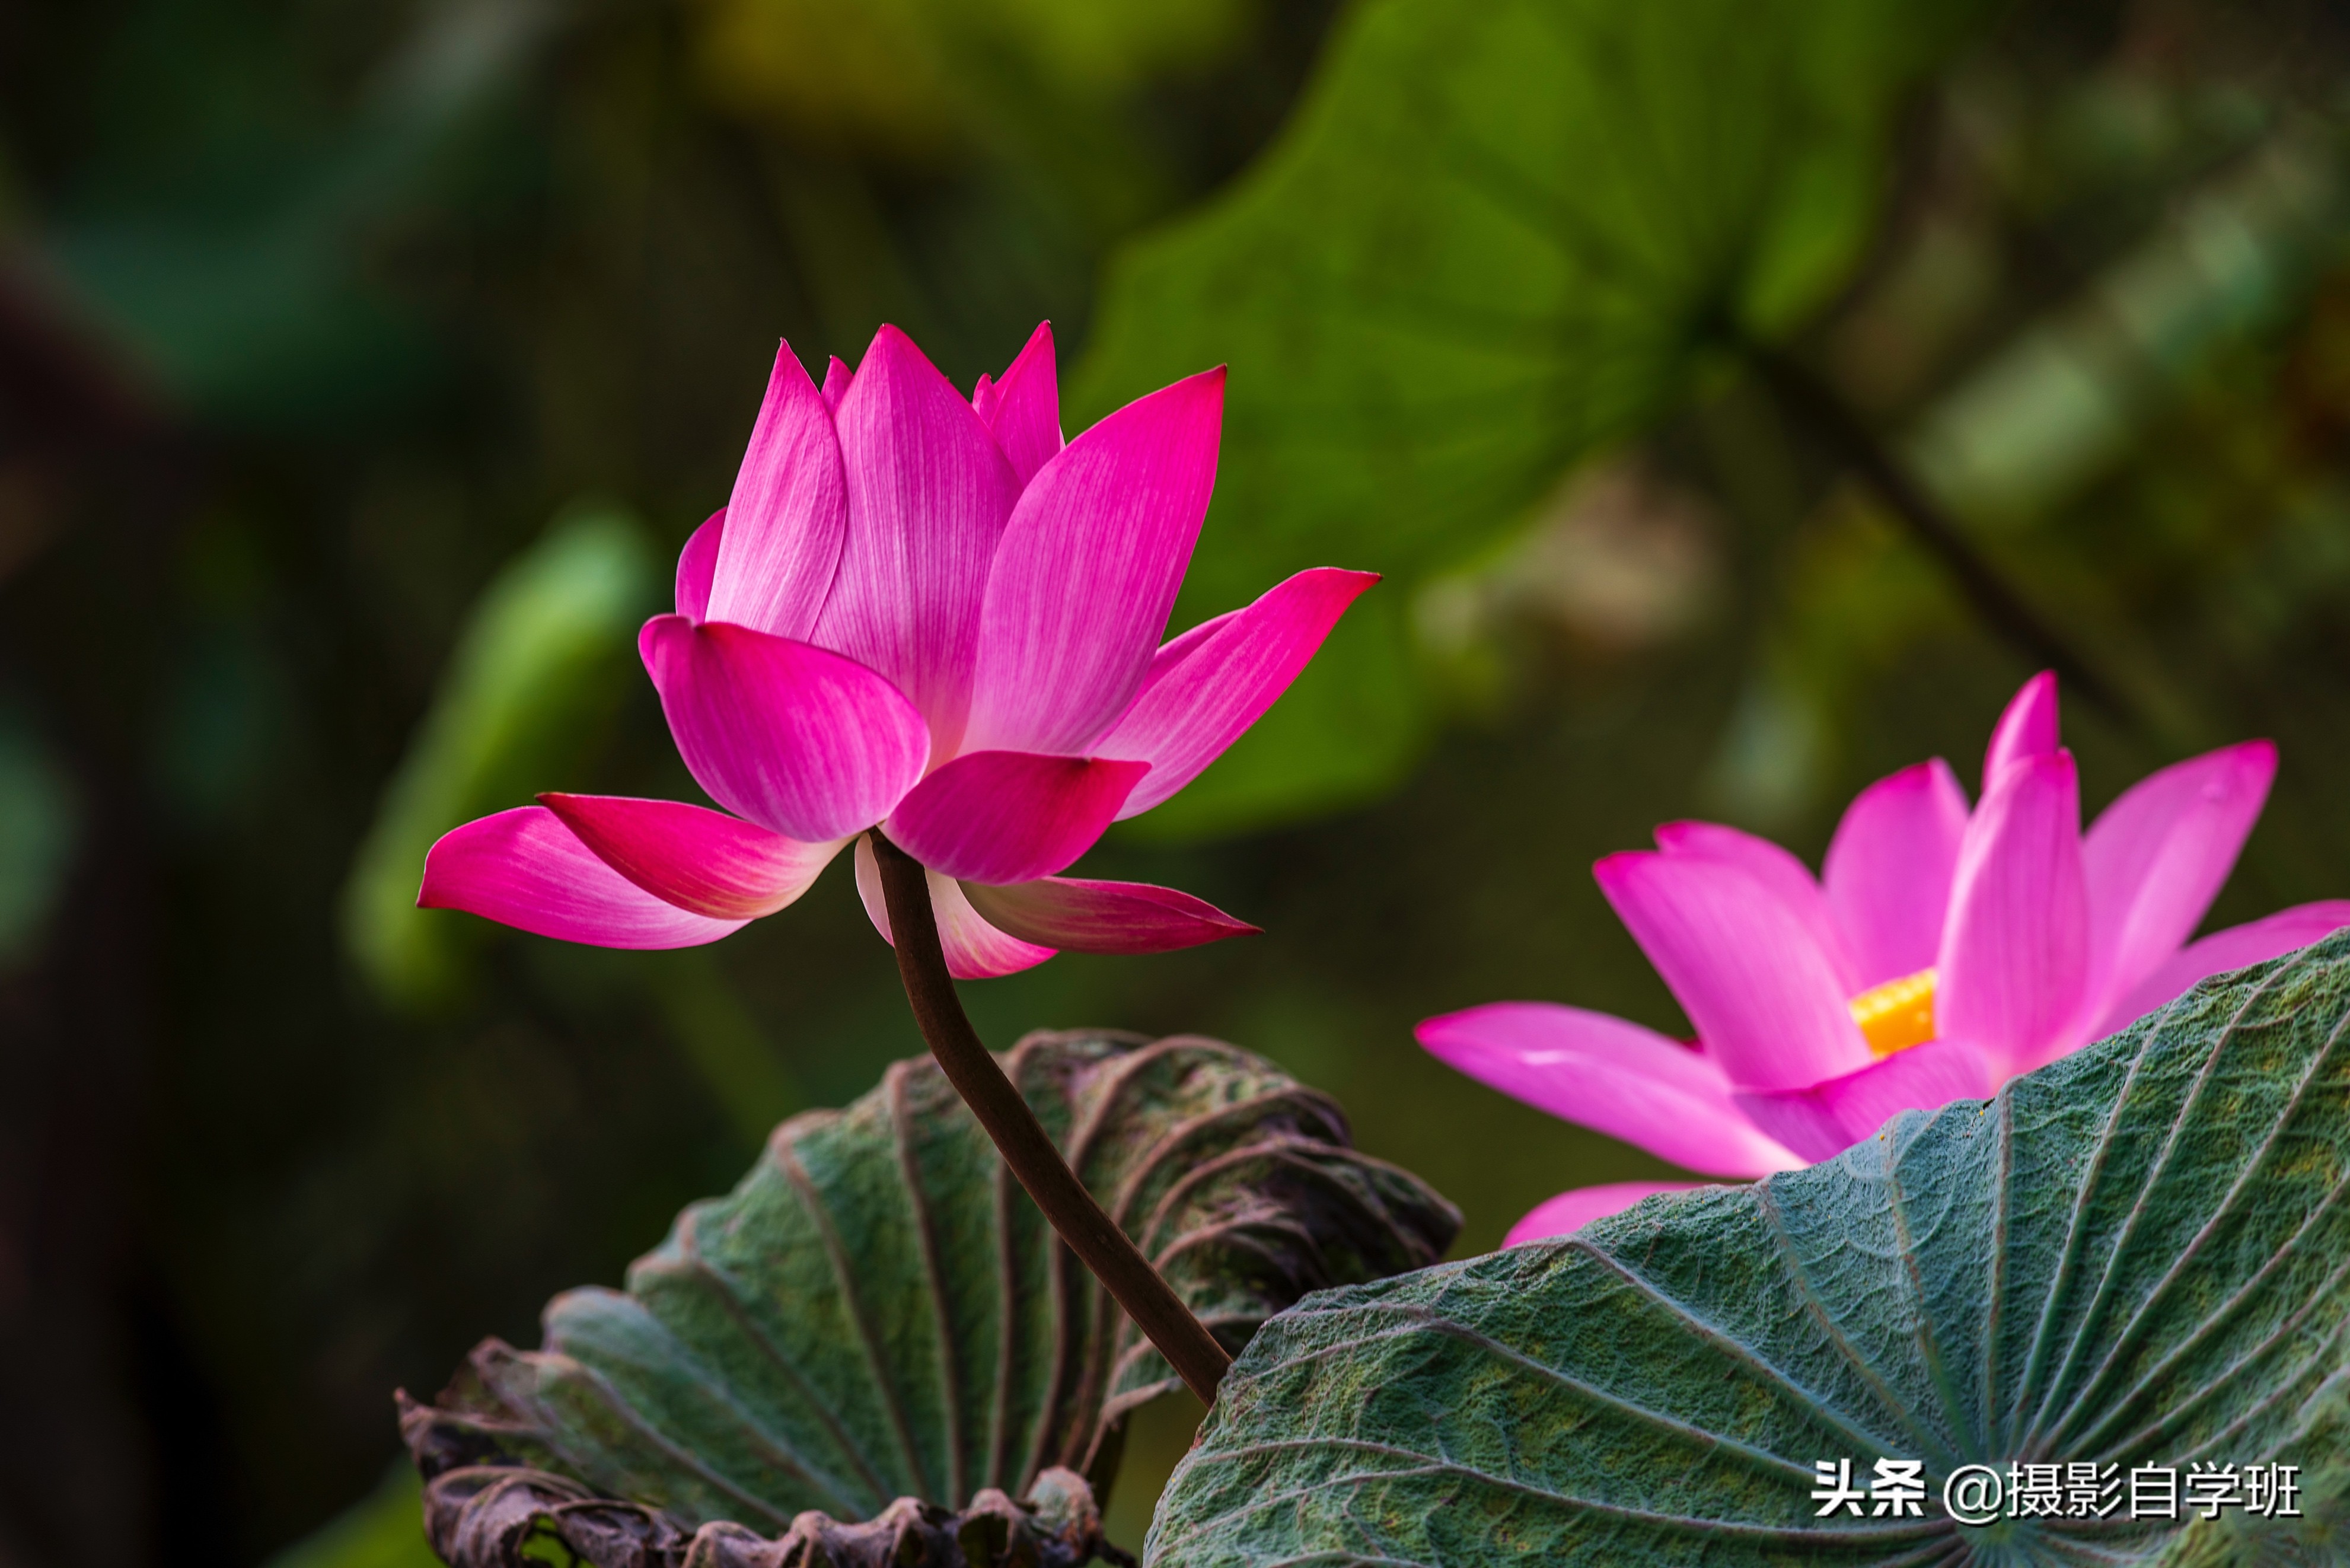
{"x":1897,"y":1015}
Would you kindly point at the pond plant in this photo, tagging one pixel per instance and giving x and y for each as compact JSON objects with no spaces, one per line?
{"x":1939,"y":952}
{"x":925,"y":626}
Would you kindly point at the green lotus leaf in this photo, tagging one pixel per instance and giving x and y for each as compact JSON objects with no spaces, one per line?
{"x":2136,"y":1257}
{"x":1493,"y":237}
{"x":879,"y":1312}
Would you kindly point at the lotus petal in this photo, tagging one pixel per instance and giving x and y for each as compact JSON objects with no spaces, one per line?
{"x":929,"y":494}
{"x":2027,"y":728}
{"x":974,"y":949}
{"x":1610,"y":1075}
{"x":696,"y":564}
{"x":1207,"y":687}
{"x":1889,"y":870}
{"x":799,"y":740}
{"x":1090,"y":917}
{"x":2015,"y":951}
{"x":2237,"y":946}
{"x":1571,"y":1211}
{"x":788,"y":514}
{"x":694,"y":857}
{"x":1010,"y":816}
{"x":1789,"y":880}
{"x":2156,"y":858}
{"x":1088,"y":570}
{"x":1024,"y":409}
{"x":523,"y":868}
{"x":1767,"y":1002}
{"x":1823,"y":1121}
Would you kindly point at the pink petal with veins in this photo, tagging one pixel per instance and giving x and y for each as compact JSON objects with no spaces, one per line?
{"x":788,"y":514}
{"x":2237,"y":946}
{"x":798,"y":739}
{"x":1889,"y":870}
{"x":837,"y":377}
{"x":1766,"y":1001}
{"x":928,"y":496}
{"x":1788,"y":879}
{"x":2026,"y":728}
{"x":1010,"y":816}
{"x":974,"y":949}
{"x":1024,"y":409}
{"x":1208,"y":686}
{"x":1080,"y":916}
{"x":1823,"y":1121}
{"x":523,"y":868}
{"x":1609,"y":1075}
{"x":694,"y":857}
{"x":2015,"y":951}
{"x":696,"y":564}
{"x":1089,"y":569}
{"x":1571,"y":1211}
{"x":2157,"y":856}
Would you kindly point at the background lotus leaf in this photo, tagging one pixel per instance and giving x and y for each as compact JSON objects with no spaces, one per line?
{"x":1491,"y":239}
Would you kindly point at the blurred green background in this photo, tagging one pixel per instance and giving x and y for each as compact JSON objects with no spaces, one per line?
{"x":363,"y":366}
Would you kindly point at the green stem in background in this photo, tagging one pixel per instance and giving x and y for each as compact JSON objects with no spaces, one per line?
{"x":1022,"y":1139}
{"x":1824,"y":418}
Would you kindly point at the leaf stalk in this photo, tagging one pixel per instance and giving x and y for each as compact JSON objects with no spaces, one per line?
{"x":1097,"y":1239}
{"x":1830,"y":425}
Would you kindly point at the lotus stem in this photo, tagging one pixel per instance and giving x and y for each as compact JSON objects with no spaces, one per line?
{"x":1839,"y":433}
{"x":1097,"y":1239}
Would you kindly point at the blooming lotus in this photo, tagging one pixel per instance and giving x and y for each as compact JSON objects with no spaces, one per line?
{"x":930,"y":615}
{"x":1941,"y":951}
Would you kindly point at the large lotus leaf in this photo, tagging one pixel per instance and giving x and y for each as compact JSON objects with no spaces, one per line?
{"x":1494,"y":237}
{"x":878,"y":1312}
{"x":2134,"y":1257}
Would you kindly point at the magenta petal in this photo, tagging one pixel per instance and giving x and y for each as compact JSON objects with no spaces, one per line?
{"x":1088,"y":570}
{"x":523,"y":868}
{"x":1010,"y":816}
{"x":2015,"y":951}
{"x":1787,"y":878}
{"x":2157,"y":856}
{"x":1825,"y":1119}
{"x":696,"y":564}
{"x":1024,"y":409}
{"x":805,"y":741}
{"x":1889,"y":870}
{"x":1103,"y":916}
{"x":929,"y":495}
{"x":694,"y":857}
{"x":788,"y":514}
{"x":2237,"y":946}
{"x":1609,"y":1075}
{"x":1765,"y":1000}
{"x":1200,"y":695}
{"x":2026,"y":728}
{"x":974,"y":949}
{"x":1571,"y":1211}
{"x":837,"y":377}
{"x":1178,"y":648}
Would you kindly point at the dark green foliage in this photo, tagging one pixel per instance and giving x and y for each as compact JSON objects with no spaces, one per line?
{"x":2136,"y":1256}
{"x":878,"y":1312}
{"x":1494,"y":237}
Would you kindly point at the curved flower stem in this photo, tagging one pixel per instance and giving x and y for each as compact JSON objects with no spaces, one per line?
{"x":1840,"y":435}
{"x":1022,"y":1139}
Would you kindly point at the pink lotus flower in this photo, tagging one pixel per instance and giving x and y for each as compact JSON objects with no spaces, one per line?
{"x":1939,"y":953}
{"x":929,"y":615}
